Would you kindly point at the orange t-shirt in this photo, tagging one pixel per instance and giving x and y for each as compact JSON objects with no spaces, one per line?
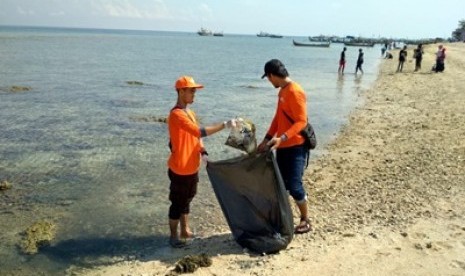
{"x":185,"y":142}
{"x":293,"y":101}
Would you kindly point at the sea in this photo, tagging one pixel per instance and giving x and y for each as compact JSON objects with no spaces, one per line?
{"x":82,"y":147}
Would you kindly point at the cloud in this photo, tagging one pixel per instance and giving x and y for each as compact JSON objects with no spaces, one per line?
{"x":154,"y":9}
{"x":22,"y":11}
{"x":336,"y":5}
{"x":204,"y":8}
{"x":57,"y":13}
{"x":205,"y":12}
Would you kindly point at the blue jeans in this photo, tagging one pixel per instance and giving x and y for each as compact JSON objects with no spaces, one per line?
{"x":291,"y":163}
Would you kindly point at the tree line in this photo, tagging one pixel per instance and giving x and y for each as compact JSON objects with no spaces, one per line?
{"x":459,"y":33}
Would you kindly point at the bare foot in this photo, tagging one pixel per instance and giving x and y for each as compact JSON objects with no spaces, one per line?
{"x":187,"y":235}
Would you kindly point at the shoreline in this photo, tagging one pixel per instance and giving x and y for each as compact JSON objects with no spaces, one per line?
{"x":386,"y":197}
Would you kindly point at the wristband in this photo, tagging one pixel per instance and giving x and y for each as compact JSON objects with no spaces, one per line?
{"x":203,"y":132}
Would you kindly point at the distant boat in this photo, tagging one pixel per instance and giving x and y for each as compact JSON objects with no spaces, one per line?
{"x":320,"y":38}
{"x":265,"y":34}
{"x":218,"y":34}
{"x":360,"y":44}
{"x":204,"y":32}
{"x":323,"y":44}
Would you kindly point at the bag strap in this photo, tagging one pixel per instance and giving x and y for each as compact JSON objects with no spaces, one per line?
{"x":288,"y":117}
{"x":185,"y":110}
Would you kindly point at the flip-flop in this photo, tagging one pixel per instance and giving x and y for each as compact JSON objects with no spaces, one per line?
{"x":303,"y":227}
{"x":177,"y":243}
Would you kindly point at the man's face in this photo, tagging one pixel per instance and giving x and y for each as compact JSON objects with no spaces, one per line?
{"x":188,"y":95}
{"x":272,"y":79}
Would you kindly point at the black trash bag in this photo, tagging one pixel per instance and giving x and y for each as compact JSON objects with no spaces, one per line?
{"x":253,"y":198}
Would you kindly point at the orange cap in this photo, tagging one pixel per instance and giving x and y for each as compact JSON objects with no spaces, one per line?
{"x":186,"y":82}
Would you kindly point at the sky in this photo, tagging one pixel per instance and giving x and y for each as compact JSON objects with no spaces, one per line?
{"x":411,"y":19}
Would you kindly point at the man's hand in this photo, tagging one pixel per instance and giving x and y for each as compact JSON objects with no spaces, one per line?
{"x":263,"y":146}
{"x":274,"y":143}
{"x":204,"y":158}
{"x":230,"y":123}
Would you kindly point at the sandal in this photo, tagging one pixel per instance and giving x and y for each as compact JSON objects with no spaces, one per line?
{"x":303,"y":227}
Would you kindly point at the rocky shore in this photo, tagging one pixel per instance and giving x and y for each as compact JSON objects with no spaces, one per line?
{"x":387,"y":197}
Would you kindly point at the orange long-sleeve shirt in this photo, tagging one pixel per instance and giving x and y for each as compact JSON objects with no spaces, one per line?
{"x":186,"y":144}
{"x":293,"y":101}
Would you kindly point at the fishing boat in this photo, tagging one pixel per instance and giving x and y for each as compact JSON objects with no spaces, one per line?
{"x":323,"y":44}
{"x":360,"y":44}
{"x":204,"y":32}
{"x":265,"y":34}
{"x":218,"y":34}
{"x":320,"y":38}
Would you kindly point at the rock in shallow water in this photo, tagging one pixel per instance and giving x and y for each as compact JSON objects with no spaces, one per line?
{"x":37,"y":235}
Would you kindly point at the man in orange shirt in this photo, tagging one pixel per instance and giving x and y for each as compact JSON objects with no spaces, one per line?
{"x":284,"y":136}
{"x":184,"y":161}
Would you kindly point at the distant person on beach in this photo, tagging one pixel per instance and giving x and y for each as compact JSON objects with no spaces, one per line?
{"x":283,"y":136}
{"x":342,"y":61}
{"x":388,"y":56}
{"x":359,"y":61}
{"x":418,"y":56}
{"x":440,"y":57}
{"x":402,"y":58}
{"x":184,"y":161}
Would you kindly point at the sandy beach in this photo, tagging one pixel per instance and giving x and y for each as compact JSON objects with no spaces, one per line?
{"x":386,"y":196}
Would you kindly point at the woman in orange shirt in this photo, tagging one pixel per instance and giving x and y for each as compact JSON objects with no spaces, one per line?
{"x":184,"y":162}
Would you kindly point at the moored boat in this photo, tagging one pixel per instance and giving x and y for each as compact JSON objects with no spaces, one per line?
{"x":265,"y":34}
{"x":323,"y":44}
{"x":204,"y":32}
{"x":360,"y":44}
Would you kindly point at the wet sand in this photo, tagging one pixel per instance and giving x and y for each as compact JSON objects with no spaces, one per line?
{"x":386,"y":198}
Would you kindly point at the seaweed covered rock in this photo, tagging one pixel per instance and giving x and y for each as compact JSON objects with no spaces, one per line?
{"x":5,"y":185}
{"x":17,"y":88}
{"x":37,"y":235}
{"x":134,"y":82}
{"x":191,"y":263}
{"x":147,"y":119}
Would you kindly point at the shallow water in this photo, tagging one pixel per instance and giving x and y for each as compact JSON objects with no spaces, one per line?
{"x":75,"y":156}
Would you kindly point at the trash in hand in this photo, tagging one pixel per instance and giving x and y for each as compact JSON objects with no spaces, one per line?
{"x":242,"y":136}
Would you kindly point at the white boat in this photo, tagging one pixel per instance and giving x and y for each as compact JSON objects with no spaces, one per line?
{"x":312,"y":44}
{"x":204,"y":32}
{"x":265,"y":34}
